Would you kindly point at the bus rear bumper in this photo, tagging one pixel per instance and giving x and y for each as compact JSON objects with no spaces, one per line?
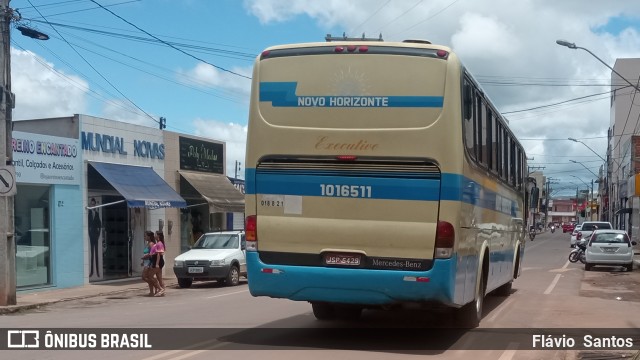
{"x":352,"y":286}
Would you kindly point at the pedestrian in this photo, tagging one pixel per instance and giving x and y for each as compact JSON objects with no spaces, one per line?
{"x":157,"y":261}
{"x":147,"y":274}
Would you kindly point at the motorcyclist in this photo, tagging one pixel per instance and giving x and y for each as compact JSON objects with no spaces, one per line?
{"x":553,"y":228}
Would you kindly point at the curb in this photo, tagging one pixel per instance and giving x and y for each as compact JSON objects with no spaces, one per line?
{"x":12,"y":309}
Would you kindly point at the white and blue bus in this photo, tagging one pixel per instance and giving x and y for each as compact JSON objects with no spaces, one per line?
{"x":379,"y":174}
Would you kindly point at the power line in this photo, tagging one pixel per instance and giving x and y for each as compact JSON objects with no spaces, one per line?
{"x":92,"y":67}
{"x":215,"y":51}
{"x":169,"y":44}
{"x":87,"y":9}
{"x":150,"y":73}
{"x":371,"y":16}
{"x":89,"y":91}
{"x":429,"y":18}
{"x":561,"y":102}
{"x":401,"y":15}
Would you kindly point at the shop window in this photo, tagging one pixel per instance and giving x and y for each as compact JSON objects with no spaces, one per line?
{"x":33,"y":241}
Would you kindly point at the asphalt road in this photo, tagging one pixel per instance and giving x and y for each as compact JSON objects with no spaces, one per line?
{"x":551,"y":293}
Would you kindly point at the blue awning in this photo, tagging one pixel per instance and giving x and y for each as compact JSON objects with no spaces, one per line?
{"x":140,"y":186}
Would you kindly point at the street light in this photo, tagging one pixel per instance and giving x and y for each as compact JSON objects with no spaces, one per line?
{"x":32,"y":33}
{"x":578,"y":162}
{"x":573,"y":46}
{"x":578,"y":141}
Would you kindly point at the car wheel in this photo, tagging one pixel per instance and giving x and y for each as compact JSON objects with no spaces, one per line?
{"x":629,"y":267}
{"x":233,"y":278}
{"x":185,"y":282}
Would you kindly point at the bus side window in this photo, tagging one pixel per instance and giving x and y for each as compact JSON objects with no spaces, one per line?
{"x":467,"y":102}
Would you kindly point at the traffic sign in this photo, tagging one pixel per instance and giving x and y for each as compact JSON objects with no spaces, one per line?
{"x":7,"y":180}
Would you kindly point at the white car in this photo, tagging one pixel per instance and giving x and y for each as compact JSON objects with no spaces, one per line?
{"x":217,"y":256}
{"x":609,"y":247}
{"x":574,"y":235}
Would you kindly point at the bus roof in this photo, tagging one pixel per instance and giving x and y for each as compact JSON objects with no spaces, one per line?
{"x":407,"y":44}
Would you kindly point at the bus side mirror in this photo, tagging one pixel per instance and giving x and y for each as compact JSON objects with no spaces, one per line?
{"x":535,"y":195}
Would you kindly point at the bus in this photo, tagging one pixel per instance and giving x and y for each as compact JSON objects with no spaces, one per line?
{"x":379,"y":174}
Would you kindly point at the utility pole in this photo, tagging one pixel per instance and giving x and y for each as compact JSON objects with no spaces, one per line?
{"x":591,"y":203}
{"x":7,"y":243}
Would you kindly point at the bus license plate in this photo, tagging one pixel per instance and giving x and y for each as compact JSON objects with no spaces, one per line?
{"x":196,"y":270}
{"x":342,"y":259}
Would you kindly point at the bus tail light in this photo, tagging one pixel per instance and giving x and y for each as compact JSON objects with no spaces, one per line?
{"x":445,"y":239}
{"x":346,"y":158}
{"x":251,"y":233}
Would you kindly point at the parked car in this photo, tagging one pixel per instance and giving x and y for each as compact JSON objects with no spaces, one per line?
{"x":589,"y":226}
{"x":568,"y":227}
{"x":609,"y":247}
{"x":217,"y":256}
{"x":574,"y":235}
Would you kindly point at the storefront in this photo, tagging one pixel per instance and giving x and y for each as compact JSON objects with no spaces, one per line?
{"x":125,"y":195}
{"x":88,"y":188}
{"x":48,"y":205}
{"x":197,"y":167}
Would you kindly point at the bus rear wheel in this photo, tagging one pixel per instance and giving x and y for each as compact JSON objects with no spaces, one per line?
{"x":348,"y":313}
{"x":323,"y":311}
{"x":468,"y":316}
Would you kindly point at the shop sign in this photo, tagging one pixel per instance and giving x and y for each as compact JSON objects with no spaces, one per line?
{"x":198,"y":155}
{"x":116,"y":145}
{"x":44,"y":159}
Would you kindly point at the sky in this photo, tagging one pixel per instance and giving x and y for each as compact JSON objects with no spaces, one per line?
{"x":190,"y":61}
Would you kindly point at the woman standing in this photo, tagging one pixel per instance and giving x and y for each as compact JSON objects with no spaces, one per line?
{"x":157,"y":261}
{"x":147,"y":273}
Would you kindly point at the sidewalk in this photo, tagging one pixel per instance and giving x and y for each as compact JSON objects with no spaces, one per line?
{"x":34,"y":299}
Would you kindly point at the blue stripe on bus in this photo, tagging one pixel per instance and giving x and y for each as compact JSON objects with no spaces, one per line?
{"x":452,"y":187}
{"x":366,"y":187}
{"x":356,"y":286}
{"x":283,"y":94}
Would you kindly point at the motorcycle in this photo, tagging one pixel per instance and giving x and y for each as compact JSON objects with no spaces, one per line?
{"x":553,"y":229}
{"x":579,"y":252}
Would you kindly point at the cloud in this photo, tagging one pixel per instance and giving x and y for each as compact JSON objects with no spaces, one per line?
{"x":41,"y":92}
{"x":329,"y":13}
{"x":205,"y":75}
{"x":235,"y":136}
{"x":484,"y":38}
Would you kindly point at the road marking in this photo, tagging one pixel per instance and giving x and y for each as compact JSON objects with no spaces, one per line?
{"x":553,"y":284}
{"x":510,"y":352}
{"x":564,"y":268}
{"x":173,"y":352}
{"x":500,"y":309}
{"x":216,"y":296}
{"x":194,"y":353}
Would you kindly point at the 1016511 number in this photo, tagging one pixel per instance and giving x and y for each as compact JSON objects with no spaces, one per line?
{"x":352,"y":191}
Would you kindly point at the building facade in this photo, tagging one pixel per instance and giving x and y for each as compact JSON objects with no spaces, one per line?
{"x":89,"y":189}
{"x":624,"y":121}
